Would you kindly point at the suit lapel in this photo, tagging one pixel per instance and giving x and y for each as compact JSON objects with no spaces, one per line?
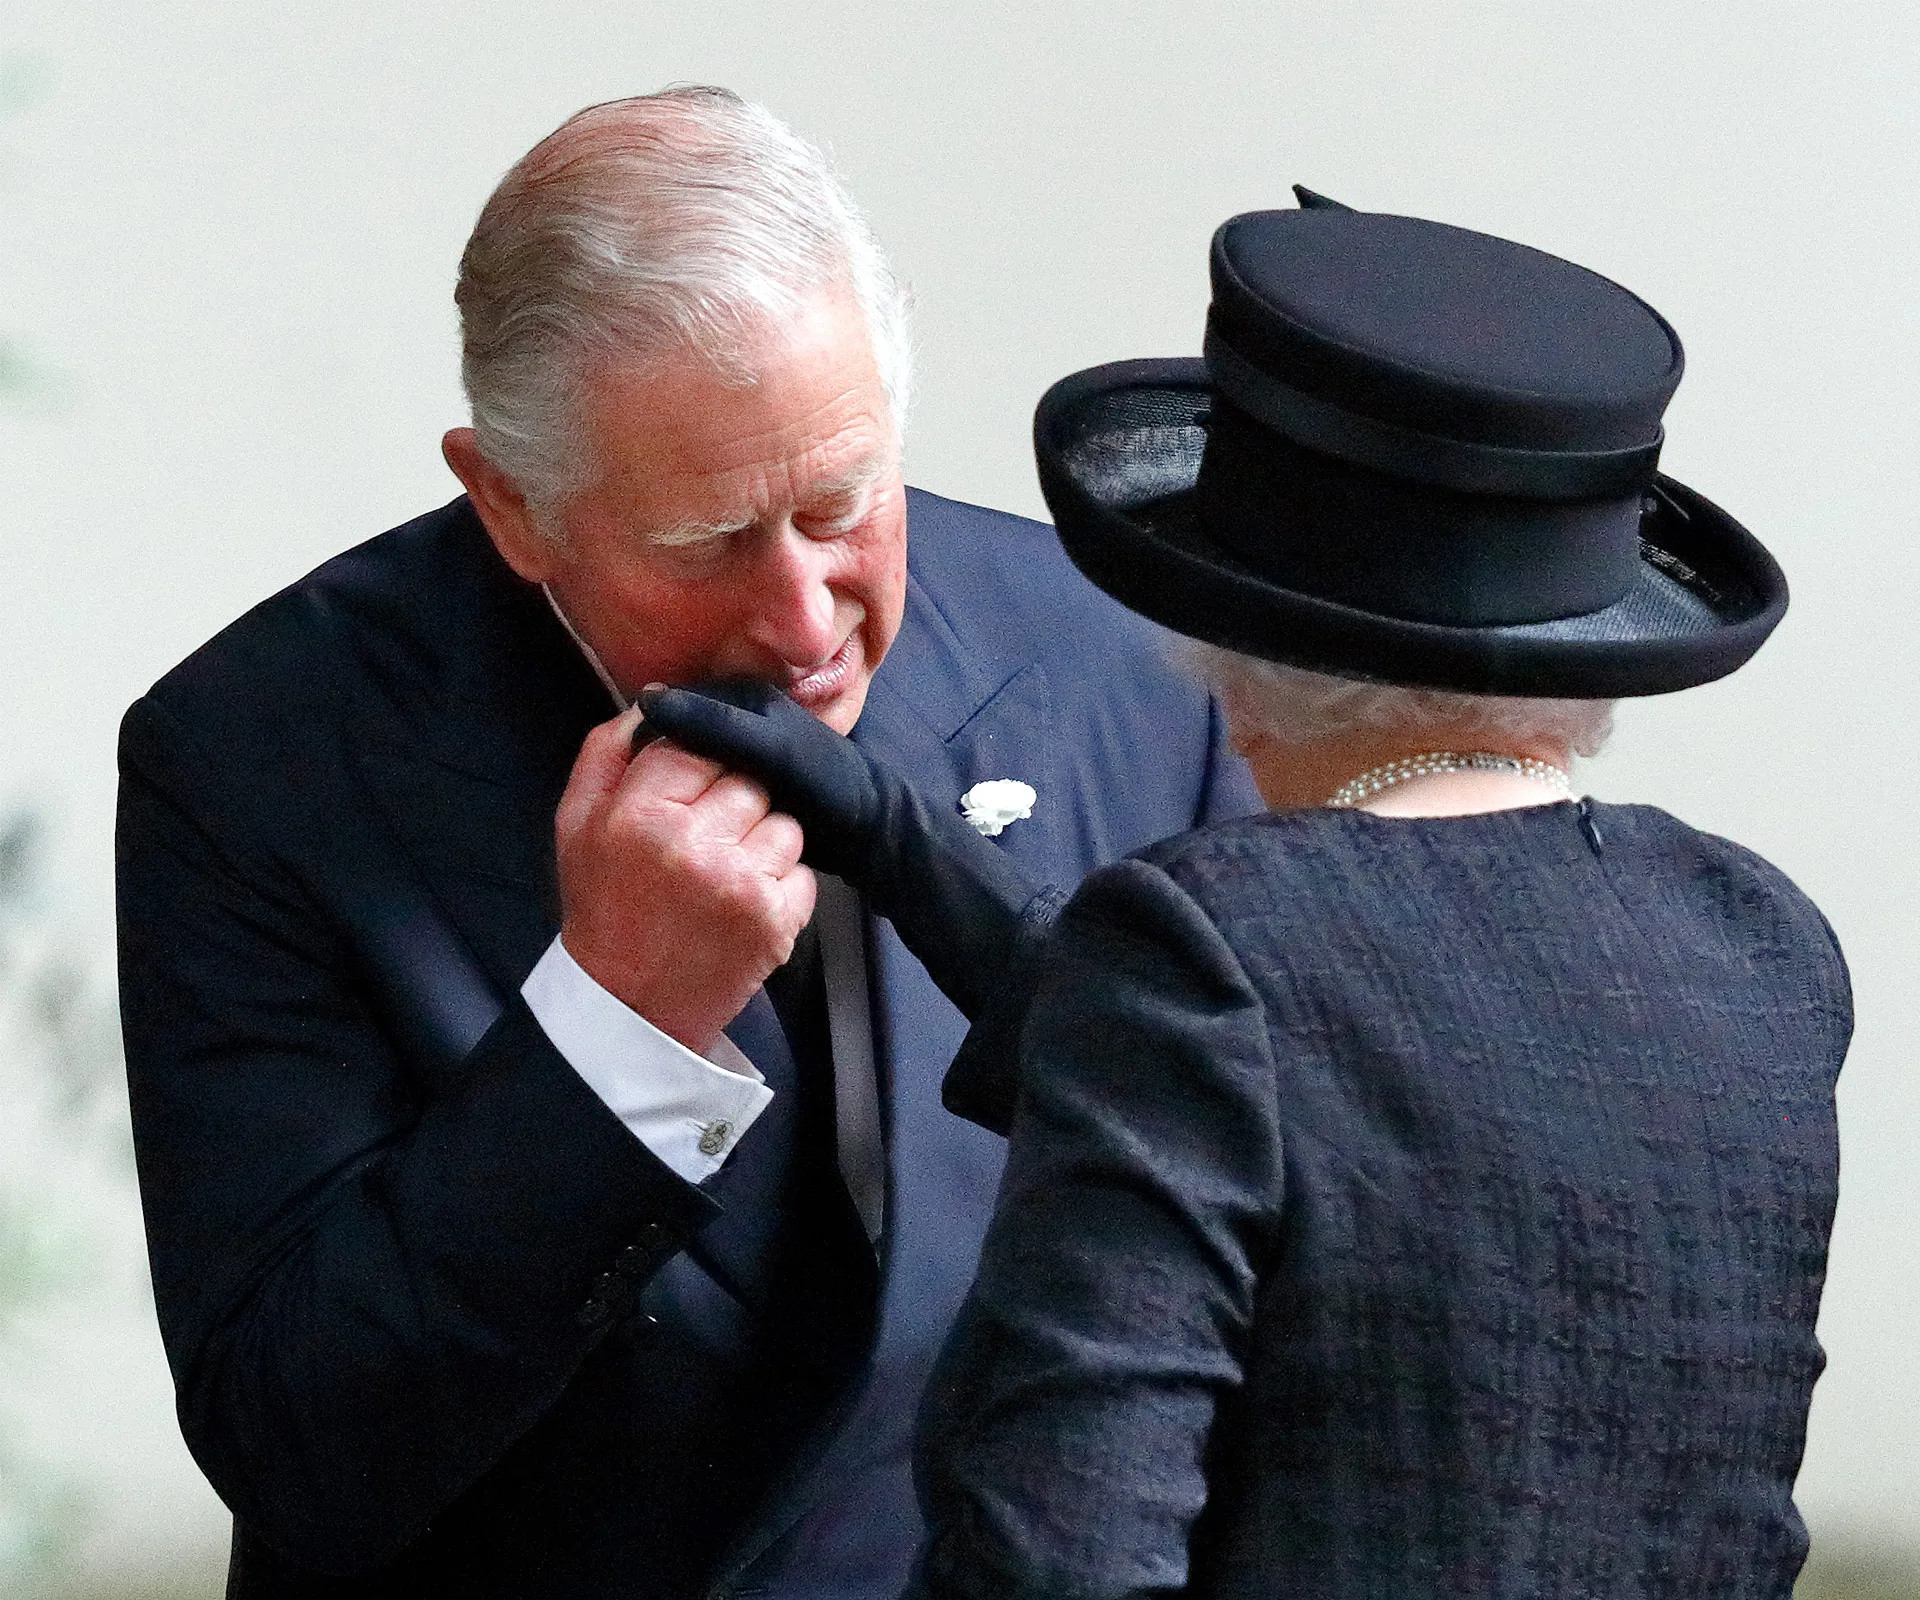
{"x":945,"y":721}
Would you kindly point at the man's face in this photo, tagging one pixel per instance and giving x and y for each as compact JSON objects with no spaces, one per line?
{"x":740,"y":531}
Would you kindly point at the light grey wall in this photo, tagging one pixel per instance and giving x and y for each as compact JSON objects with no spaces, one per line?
{"x":231,"y":230}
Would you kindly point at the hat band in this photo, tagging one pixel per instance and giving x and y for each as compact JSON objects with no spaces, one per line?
{"x":1460,"y":464}
{"x":1319,"y":526}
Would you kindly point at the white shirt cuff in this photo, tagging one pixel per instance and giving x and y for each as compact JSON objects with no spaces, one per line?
{"x":689,"y":1110}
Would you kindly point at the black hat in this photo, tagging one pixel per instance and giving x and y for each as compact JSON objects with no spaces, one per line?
{"x":1414,"y":454}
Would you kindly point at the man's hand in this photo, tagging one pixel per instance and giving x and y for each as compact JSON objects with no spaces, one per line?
{"x":680,"y":887}
{"x":956,"y":900}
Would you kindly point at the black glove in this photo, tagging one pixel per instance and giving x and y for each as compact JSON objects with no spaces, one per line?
{"x":957,"y":902}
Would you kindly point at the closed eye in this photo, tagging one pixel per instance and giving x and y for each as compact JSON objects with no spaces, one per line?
{"x":836,"y":513}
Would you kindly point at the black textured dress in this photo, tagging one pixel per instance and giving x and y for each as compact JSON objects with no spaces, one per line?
{"x":1403,"y":1208}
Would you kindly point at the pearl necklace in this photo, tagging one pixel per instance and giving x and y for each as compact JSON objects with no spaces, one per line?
{"x":1371,"y":782}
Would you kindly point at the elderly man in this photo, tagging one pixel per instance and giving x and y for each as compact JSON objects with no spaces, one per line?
{"x":546,"y":1180}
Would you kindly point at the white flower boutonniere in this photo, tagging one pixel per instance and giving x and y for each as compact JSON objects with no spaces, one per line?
{"x":990,"y":806}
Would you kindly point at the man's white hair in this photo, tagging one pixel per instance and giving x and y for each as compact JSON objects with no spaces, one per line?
{"x":1291,"y":705}
{"x":639,"y":229}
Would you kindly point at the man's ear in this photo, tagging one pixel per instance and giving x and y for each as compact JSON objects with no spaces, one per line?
{"x":501,"y":506}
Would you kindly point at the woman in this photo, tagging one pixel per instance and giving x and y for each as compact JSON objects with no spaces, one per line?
{"x":1424,"y":1188}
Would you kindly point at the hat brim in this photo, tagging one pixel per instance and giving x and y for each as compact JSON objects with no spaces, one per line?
{"x":1119,"y":452}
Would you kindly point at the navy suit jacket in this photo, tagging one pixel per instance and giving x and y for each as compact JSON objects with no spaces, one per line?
{"x":438,"y":1323}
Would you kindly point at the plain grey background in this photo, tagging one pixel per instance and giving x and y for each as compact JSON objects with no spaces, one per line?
{"x":228,"y":234}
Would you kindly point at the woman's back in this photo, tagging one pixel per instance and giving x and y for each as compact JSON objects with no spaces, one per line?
{"x":1457,"y":1241}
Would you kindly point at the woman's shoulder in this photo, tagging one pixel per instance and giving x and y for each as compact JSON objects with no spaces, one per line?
{"x":1265,"y":843}
{"x":1221,"y":865}
{"x":1324,"y":848}
{"x":1276,"y":878}
{"x":1663,"y":866}
{"x":1302,"y":864}
{"x":1309,"y":863}
{"x":1695,"y":863}
{"x":1302,"y":879}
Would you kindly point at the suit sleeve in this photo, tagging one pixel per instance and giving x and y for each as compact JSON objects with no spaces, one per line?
{"x":372,"y":1278}
{"x":1065,"y":1432}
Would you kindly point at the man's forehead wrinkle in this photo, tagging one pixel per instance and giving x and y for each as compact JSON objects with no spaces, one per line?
{"x":780,"y":484}
{"x":791,"y":438}
{"x":753,"y":487}
{"x":684,"y":458}
{"x":861,"y":475}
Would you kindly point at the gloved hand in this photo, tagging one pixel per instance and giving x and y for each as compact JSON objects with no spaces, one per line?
{"x":957,"y":902}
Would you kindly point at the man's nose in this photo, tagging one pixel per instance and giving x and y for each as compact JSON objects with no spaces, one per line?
{"x":793,"y":606}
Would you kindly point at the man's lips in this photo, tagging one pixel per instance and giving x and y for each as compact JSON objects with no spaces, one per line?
{"x":826,"y":682}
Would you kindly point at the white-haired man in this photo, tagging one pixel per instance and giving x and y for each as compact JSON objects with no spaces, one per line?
{"x":547,"y":1187}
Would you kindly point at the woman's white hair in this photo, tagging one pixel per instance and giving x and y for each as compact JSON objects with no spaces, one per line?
{"x":687,"y":219}
{"x":1291,"y":705}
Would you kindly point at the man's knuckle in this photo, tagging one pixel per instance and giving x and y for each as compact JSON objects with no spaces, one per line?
{"x":770,"y":901}
{"x":667,"y":850}
{"x":742,"y":896}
